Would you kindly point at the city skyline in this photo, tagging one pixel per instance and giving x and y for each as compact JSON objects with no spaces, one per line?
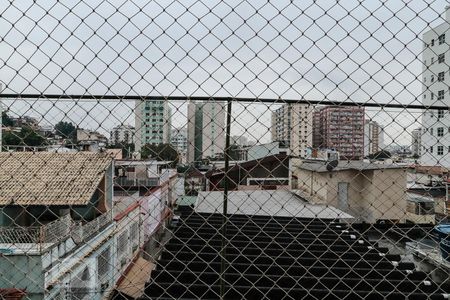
{"x":301,"y":76}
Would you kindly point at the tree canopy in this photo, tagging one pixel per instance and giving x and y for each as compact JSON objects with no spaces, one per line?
{"x":67,"y":130}
{"x":7,"y":121}
{"x":160,"y":152}
{"x":26,"y":137}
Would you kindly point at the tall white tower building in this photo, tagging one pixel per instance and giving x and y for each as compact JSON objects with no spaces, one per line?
{"x":436,"y":91}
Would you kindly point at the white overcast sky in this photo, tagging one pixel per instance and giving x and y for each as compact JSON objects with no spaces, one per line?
{"x":319,"y":50}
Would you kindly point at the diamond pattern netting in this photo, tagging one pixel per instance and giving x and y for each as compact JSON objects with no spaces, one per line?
{"x":248,"y":149}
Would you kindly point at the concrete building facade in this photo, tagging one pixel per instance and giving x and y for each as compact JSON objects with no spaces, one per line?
{"x":122,"y":134}
{"x":178,"y":139}
{"x":152,"y":123}
{"x":205,"y":130}
{"x":373,"y":137}
{"x":340,"y":128}
{"x":435,"y":136}
{"x":292,"y":126}
{"x":416,"y":142}
{"x":369,"y":192}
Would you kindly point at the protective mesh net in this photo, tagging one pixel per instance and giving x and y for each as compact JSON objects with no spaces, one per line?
{"x":224,"y":149}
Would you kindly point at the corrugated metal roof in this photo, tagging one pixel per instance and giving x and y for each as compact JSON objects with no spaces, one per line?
{"x":44,"y":178}
{"x":266,"y":203}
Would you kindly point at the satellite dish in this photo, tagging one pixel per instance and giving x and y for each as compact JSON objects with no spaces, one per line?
{"x":332,"y":164}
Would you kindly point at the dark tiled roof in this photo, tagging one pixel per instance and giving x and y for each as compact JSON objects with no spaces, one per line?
{"x":281,"y":258}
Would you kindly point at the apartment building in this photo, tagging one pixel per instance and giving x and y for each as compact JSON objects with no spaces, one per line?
{"x":152,"y":122}
{"x":122,"y":134}
{"x":373,"y":137}
{"x":178,"y":139}
{"x":206,"y":130}
{"x":340,"y":128}
{"x":292,"y":126}
{"x":416,"y":142}
{"x":435,"y":82}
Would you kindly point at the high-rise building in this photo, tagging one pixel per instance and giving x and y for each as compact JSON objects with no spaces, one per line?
{"x":373,"y":137}
{"x":152,"y":123}
{"x":435,"y":136}
{"x":340,"y":128}
{"x":281,"y":124}
{"x":206,"y":130}
{"x":416,"y":143}
{"x":178,"y":139}
{"x":292,"y":126}
{"x":122,"y":134}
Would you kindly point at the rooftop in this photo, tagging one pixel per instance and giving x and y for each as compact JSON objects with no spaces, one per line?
{"x":357,"y":165}
{"x":281,"y":258}
{"x":266,"y":203}
{"x":44,"y":178}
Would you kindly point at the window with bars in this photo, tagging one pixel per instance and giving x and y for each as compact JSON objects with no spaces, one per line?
{"x":122,"y":242}
{"x":104,"y":263}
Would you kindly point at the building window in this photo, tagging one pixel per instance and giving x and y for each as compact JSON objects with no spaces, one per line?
{"x":424,"y":96}
{"x":431,"y":131}
{"x":440,"y":114}
{"x":432,"y":78}
{"x":432,"y":60}
{"x":122,"y":242}
{"x":134,"y":233}
{"x":441,"y":76}
{"x":448,"y":149}
{"x":440,"y":95}
{"x":432,"y":96}
{"x":103,"y":263}
{"x":440,"y":131}
{"x":432,"y":42}
{"x":441,"y":58}
{"x":440,"y":150}
{"x":441,"y":39}
{"x":431,"y":149}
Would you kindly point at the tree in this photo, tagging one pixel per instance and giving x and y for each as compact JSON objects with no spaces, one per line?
{"x":11,"y":138}
{"x":160,"y":152}
{"x":67,"y":130}
{"x":26,"y":137}
{"x":31,"y":138}
{"x":7,"y":121}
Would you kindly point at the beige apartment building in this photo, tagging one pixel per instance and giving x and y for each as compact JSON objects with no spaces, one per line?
{"x":368,"y":191}
{"x":292,"y":126}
